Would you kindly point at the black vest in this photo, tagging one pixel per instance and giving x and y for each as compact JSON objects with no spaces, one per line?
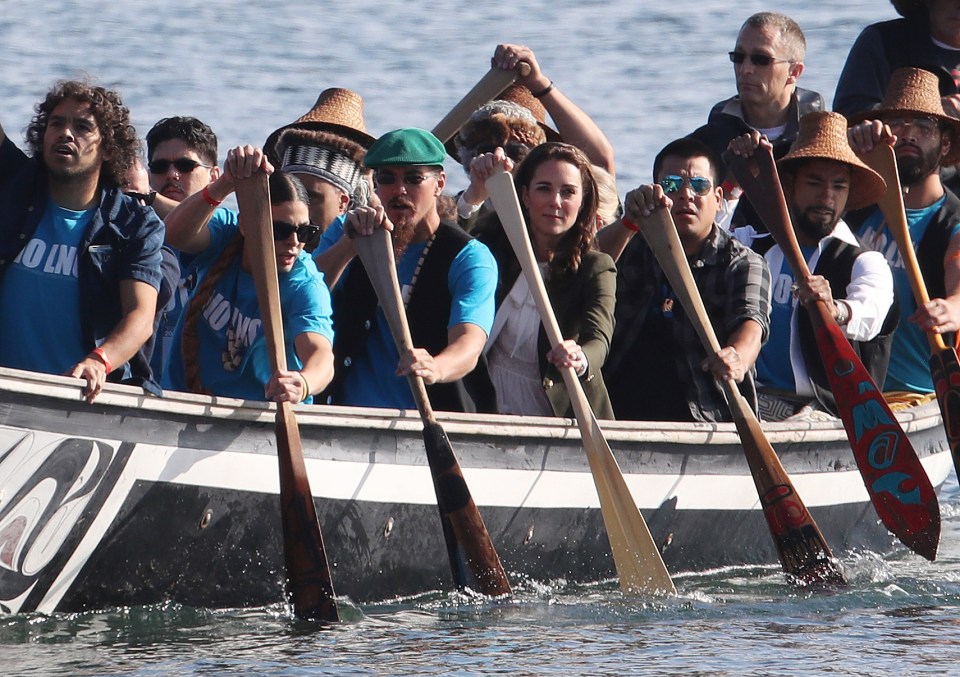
{"x":355,"y":305}
{"x":836,"y":265}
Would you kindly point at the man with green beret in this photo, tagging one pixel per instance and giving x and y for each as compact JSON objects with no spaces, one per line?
{"x":447,"y":279}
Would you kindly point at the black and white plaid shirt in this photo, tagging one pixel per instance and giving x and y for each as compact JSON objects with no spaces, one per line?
{"x":734,"y":282}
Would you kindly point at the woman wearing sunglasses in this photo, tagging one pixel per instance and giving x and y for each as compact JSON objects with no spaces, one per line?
{"x":558,"y":198}
{"x":224,"y":351}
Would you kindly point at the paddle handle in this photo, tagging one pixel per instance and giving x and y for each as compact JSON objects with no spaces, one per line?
{"x":376,"y":254}
{"x":487,"y":88}
{"x":883,"y":160}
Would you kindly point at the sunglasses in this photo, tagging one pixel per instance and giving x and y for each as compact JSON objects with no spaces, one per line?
{"x":181,"y":164}
{"x":384,"y":179}
{"x":514,"y":150}
{"x":305,"y":231}
{"x":756,"y":59}
{"x":925,"y":125}
{"x":146,"y":199}
{"x":698,"y":184}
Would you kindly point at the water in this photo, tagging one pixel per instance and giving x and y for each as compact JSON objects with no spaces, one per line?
{"x":647,"y":73}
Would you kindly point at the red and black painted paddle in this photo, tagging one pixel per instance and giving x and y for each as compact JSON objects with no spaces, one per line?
{"x":896,"y":482}
{"x":944,"y":365}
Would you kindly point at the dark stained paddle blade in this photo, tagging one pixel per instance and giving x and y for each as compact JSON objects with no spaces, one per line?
{"x":896,"y":481}
{"x":945,"y":369}
{"x":471,"y":548}
{"x":802,"y":549}
{"x":308,"y":571}
{"x":467,"y":540}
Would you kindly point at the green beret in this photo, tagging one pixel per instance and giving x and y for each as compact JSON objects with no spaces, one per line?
{"x":410,"y":146}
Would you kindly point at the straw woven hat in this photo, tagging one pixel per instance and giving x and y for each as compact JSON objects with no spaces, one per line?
{"x":337,"y":110}
{"x":823,"y":136}
{"x":913,"y":91}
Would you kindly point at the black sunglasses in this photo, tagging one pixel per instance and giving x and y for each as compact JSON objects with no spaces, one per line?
{"x":305,"y":231}
{"x":755,"y":59}
{"x":514,"y":150}
{"x":183,"y":165}
{"x":146,"y":199}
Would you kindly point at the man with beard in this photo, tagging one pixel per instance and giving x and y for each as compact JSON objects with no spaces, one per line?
{"x":821,"y":178}
{"x":448,"y":281}
{"x":181,"y":161}
{"x":924,"y":138}
{"x":79,"y":259}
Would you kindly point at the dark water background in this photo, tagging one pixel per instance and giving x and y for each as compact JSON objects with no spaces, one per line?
{"x":647,"y":72}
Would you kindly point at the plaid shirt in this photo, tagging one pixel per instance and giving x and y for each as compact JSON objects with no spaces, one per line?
{"x":734,"y":282}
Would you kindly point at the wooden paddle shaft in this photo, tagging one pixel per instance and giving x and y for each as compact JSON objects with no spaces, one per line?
{"x":883,"y":160}
{"x":308,"y":570}
{"x":638,"y":561}
{"x":488,"y":88}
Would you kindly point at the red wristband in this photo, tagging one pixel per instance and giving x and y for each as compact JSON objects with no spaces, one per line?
{"x":99,"y":352}
{"x":208,"y":198}
{"x":629,"y":224}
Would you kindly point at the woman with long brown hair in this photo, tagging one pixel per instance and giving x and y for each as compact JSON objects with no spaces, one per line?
{"x":224,"y":350}
{"x":558,"y":196}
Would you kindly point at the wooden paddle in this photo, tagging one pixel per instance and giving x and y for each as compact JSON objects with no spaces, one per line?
{"x":944,"y":365}
{"x":637,"y":558}
{"x":897,"y":484}
{"x":468,"y":542}
{"x":308,"y":572}
{"x":487,"y":88}
{"x":803,"y":551}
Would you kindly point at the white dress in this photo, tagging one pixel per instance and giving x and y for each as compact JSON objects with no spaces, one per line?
{"x":512,"y":359}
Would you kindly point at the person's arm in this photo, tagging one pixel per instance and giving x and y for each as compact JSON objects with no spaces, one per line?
{"x":942,"y":315}
{"x":738,"y":356}
{"x":335,"y":259}
{"x":574,"y":125}
{"x":869,"y":297}
{"x":316,"y":353}
{"x":464,"y":344}
{"x":187,"y":223}
{"x":138,"y":302}
{"x":638,"y":203}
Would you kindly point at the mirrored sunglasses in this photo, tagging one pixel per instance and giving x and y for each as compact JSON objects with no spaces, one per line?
{"x":412,"y":179}
{"x":181,"y":164}
{"x":305,"y":231}
{"x":698,"y":184}
{"x":756,"y":59}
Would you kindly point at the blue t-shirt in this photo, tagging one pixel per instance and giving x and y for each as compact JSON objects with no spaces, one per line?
{"x":774,"y":369}
{"x":171,"y":312}
{"x":910,"y":353}
{"x":331,"y":234}
{"x":40,"y":296}
{"x":233,"y":355}
{"x":371,"y":380}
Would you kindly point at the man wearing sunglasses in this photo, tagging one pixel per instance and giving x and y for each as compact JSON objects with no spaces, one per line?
{"x":924,"y":138}
{"x":822,"y":179}
{"x":79,"y":259}
{"x":657,"y":369}
{"x":767,"y":61}
{"x":182,"y":161}
{"x":448,"y":281}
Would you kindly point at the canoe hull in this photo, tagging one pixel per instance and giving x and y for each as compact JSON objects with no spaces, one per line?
{"x":135,"y":500}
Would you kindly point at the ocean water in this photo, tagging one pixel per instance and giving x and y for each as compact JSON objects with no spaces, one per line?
{"x":647,"y":72}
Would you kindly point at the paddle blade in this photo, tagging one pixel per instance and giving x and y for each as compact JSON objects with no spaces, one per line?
{"x":899,"y":488}
{"x":945,"y":369}
{"x":308,"y":571}
{"x":471,"y":544}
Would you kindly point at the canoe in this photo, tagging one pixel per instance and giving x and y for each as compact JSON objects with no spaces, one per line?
{"x":137,"y":500}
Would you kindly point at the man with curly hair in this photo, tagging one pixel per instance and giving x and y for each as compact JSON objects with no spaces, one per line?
{"x":79,"y":259}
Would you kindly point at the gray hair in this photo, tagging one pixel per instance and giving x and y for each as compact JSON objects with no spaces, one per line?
{"x":791,"y":37}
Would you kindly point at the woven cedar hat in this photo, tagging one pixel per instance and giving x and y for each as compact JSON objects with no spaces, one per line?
{"x":520,"y":95}
{"x":823,"y":136}
{"x":913,"y":91}
{"x":337,"y":110}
